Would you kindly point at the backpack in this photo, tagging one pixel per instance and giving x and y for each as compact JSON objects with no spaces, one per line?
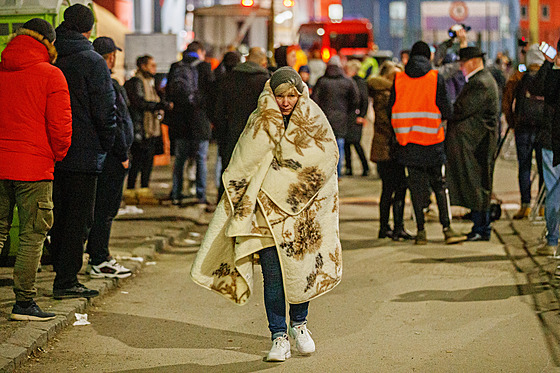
{"x":183,"y":84}
{"x":529,"y":108}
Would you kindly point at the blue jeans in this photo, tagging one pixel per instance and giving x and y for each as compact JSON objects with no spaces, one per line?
{"x":552,"y":202}
{"x":340,"y":143}
{"x":274,"y":299}
{"x":183,"y":150}
{"x":525,"y":143}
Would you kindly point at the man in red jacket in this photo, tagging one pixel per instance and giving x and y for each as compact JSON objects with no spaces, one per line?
{"x":35,"y":132}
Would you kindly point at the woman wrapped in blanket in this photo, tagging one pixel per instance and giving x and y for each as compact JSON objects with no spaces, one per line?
{"x":280,"y":203}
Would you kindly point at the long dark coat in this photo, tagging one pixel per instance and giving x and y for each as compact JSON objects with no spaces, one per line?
{"x":337,"y":96}
{"x":471,"y":142}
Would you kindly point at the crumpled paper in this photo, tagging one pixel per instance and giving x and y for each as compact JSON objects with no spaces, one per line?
{"x":81,"y":319}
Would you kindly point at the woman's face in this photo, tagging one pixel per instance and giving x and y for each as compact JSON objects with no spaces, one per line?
{"x":287,"y":101}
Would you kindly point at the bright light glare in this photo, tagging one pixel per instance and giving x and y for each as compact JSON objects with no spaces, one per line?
{"x":321,"y":31}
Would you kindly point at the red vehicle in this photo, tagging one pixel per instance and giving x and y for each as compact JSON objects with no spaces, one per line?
{"x":352,"y":37}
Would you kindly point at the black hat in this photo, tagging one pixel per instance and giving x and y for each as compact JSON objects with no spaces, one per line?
{"x":79,"y":18}
{"x":421,"y":49}
{"x":467,"y":53}
{"x":104,"y":45}
{"x":286,"y":74}
{"x":42,"y":27}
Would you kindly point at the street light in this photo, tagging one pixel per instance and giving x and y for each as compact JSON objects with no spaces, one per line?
{"x":247,"y":3}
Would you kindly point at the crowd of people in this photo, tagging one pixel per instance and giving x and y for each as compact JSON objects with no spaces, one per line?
{"x":70,"y":136}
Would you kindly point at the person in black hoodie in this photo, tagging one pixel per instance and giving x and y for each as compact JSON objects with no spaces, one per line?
{"x":189,"y":121}
{"x":417,"y":106}
{"x":93,"y":135}
{"x":237,"y":99}
{"x":337,"y":96}
{"x":111,"y":180}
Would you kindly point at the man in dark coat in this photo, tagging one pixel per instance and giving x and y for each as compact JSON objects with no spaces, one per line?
{"x":547,"y":84}
{"x":237,"y":99}
{"x":421,"y":99}
{"x":337,"y":96}
{"x":471,"y":142}
{"x":93,"y":134}
{"x":356,"y":120}
{"x":189,"y":122}
{"x":111,"y":180}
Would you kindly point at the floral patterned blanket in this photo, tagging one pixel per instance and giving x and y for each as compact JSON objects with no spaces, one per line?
{"x":281,"y":190}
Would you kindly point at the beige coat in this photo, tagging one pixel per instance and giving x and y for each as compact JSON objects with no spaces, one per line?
{"x":281,"y":190}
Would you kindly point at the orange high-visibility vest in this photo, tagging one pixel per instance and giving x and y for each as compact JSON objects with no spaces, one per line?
{"x":415,"y":116}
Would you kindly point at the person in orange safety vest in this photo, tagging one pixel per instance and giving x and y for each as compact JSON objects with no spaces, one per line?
{"x":419,"y":105}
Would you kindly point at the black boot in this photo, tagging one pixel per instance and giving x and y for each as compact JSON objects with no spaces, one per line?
{"x":398,"y":216}
{"x":385,"y":232}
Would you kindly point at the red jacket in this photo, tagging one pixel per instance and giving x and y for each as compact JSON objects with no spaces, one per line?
{"x":35,"y":113}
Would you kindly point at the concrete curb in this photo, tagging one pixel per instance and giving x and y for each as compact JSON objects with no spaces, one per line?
{"x":35,"y":335}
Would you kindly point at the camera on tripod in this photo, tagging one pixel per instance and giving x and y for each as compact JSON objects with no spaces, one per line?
{"x":453,"y":30}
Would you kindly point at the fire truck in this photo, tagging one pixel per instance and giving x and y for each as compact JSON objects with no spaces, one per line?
{"x":351,"y":37}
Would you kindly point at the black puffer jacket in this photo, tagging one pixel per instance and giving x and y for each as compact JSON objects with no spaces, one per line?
{"x":93,"y":102}
{"x":193,"y":122}
{"x":423,"y":155}
{"x":125,"y":129}
{"x":337,"y":96}
{"x":237,"y":99}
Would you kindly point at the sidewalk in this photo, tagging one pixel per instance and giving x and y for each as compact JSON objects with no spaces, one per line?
{"x":136,"y":237}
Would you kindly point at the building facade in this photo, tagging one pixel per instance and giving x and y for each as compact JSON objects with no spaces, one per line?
{"x":398,"y":24}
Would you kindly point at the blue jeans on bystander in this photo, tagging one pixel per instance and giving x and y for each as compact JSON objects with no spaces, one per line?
{"x":552,"y":202}
{"x":183,"y":150}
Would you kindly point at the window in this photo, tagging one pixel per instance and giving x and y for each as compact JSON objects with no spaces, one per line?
{"x":524,"y":12}
{"x":545,"y":13}
{"x":4,"y":29}
{"x":397,"y":15}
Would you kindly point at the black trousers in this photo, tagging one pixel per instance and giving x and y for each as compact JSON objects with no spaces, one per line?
{"x":107,"y":203}
{"x":348,"y":156}
{"x":393,"y":191}
{"x":74,"y":200}
{"x":420,"y":179}
{"x":141,"y":161}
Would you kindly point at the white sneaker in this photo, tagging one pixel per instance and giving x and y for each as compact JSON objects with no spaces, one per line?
{"x":280,"y":350}
{"x":304,"y":342}
{"x":109,"y":269}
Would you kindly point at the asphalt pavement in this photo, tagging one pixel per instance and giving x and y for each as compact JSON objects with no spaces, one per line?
{"x":139,"y":233}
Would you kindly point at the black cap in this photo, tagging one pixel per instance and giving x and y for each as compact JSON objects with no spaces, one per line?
{"x":79,"y":18}
{"x":42,"y":27}
{"x":286,"y":74}
{"x":104,"y":45}
{"x":467,"y":53}
{"x":421,"y":49}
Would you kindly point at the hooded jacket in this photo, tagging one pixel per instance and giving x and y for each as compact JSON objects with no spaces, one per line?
{"x":93,"y":102}
{"x":237,"y":99}
{"x":423,"y":155}
{"x":35,"y":114}
{"x":338,"y":97}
